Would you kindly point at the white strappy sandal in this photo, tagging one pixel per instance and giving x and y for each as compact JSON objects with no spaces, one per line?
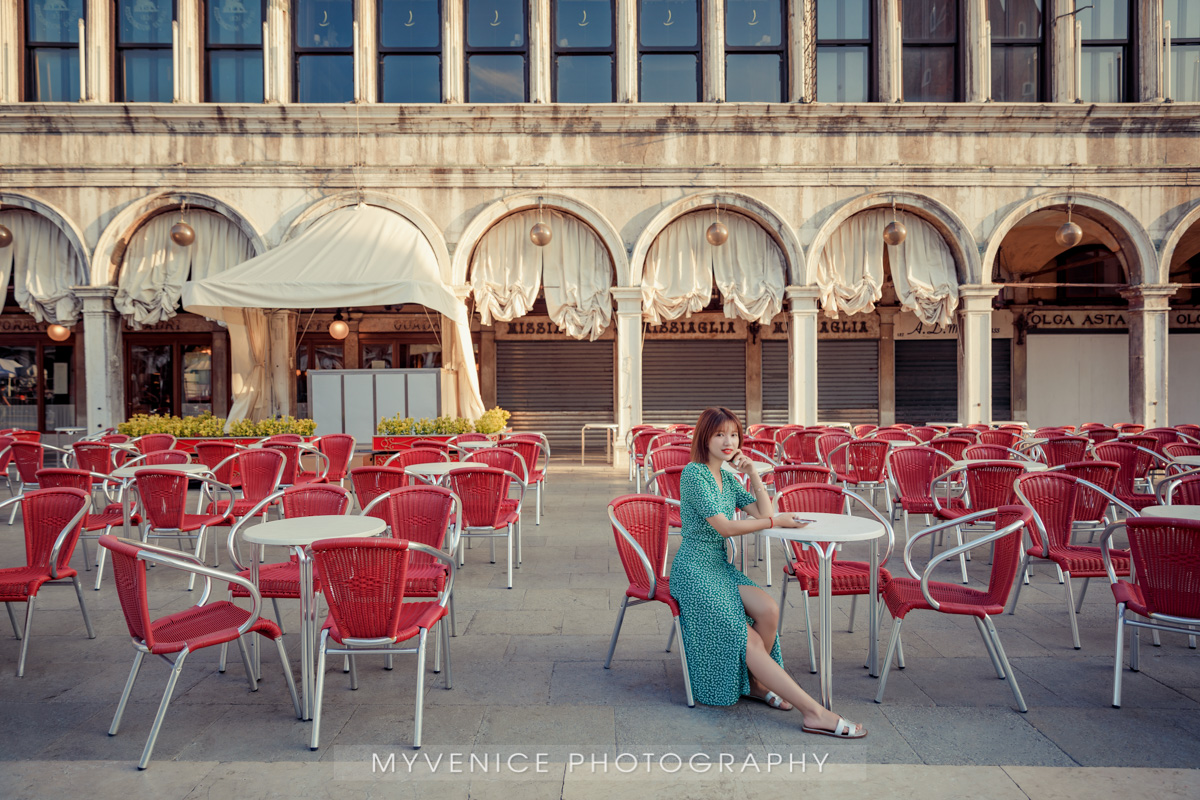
{"x":843,"y":730}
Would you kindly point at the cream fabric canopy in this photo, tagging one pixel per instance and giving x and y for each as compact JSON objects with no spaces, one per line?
{"x":355,"y":256}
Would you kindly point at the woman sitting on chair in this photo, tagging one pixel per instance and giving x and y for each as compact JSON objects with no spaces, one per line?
{"x":728,"y":621}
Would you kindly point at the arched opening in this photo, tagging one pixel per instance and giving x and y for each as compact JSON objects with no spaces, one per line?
{"x":1183,"y":339}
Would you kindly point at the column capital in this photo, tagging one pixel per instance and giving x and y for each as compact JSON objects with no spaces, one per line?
{"x":629,"y":299}
{"x":887,"y":314}
{"x":977,"y":297}
{"x":96,"y":299}
{"x":803,"y":298}
{"x":1149,"y":297}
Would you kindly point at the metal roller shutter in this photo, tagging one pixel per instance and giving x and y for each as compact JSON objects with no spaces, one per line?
{"x":847,"y":381}
{"x":682,"y":378}
{"x":1001,"y":378}
{"x":556,"y":387}
{"x":775,"y":382}
{"x":926,"y":380}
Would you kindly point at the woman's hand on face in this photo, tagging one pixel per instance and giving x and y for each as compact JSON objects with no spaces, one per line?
{"x":742,"y":463}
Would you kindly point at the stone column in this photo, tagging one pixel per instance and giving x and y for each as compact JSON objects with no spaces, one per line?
{"x":1149,"y":53}
{"x":539,"y":51}
{"x":1148,"y":317}
{"x":627,"y":45}
{"x":102,"y":355}
{"x":487,"y":366}
{"x":10,"y":56}
{"x":281,"y":357}
{"x":629,"y":366}
{"x":754,"y":384}
{"x":712,"y":51}
{"x":1061,"y":21}
{"x":887,"y":365}
{"x":978,"y":53}
{"x":279,"y":51}
{"x":189,"y":59}
{"x":366,"y":60}
{"x":454,"y":37}
{"x":889,"y":67}
{"x":220,"y":372}
{"x":802,"y":42}
{"x":100,"y":57}
{"x":975,"y":353}
{"x":802,"y":355}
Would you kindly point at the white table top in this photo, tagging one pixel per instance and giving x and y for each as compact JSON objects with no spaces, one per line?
{"x":69,"y":430}
{"x":474,"y":445}
{"x":1032,"y":440}
{"x":902,"y":443}
{"x":433,"y":468}
{"x":190,"y":469}
{"x":1176,"y":512}
{"x":612,"y":425}
{"x":1030,"y":466}
{"x":829,"y":528}
{"x":303,"y":531}
{"x":1191,"y":461}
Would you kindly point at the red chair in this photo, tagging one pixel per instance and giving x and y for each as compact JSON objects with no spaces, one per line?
{"x":1190,"y":431}
{"x":803,"y":564}
{"x":28,"y":457}
{"x":111,"y":515}
{"x":184,"y":632}
{"x":791,"y":474}
{"x":1135,"y":463}
{"x":1002,"y":438}
{"x":1129,"y":428}
{"x":470,"y":437}
{"x":664,"y":457}
{"x":827,"y":444}
{"x":893,"y":435}
{"x":160,"y":458}
{"x":639,"y":525}
{"x":925,"y":433}
{"x":1162,"y":436}
{"x":370,"y":482}
{"x":951,"y":446}
{"x":293,"y":475}
{"x":905,"y":426}
{"x":801,"y":447}
{"x":216,"y":456}
{"x":1182,"y":490}
{"x":5,"y":460}
{"x":639,"y":444}
{"x":989,"y":484}
{"x":536,"y":454}
{"x":483,"y":492}
{"x":421,"y":455}
{"x":1065,"y":450}
{"x":867,"y":460}
{"x":363,"y":583}
{"x":1053,"y":497}
{"x":862,"y":430}
{"x":338,"y":449}
{"x":904,"y":595}
{"x":1177,"y":449}
{"x":1088,"y":426}
{"x":1166,"y":595}
{"x":1050,"y":431}
{"x":666,"y":483}
{"x":153,"y":442}
{"x":52,"y":519}
{"x":1091,"y":508}
{"x":991,"y":452}
{"x":94,"y":457}
{"x":763,"y":449}
{"x":505,"y":458}
{"x":1098,"y":435}
{"x":970,"y":434}
{"x":282,"y":438}
{"x":23,"y":435}
{"x":162,"y":498}
{"x":260,"y":473}
{"x":913,"y":472}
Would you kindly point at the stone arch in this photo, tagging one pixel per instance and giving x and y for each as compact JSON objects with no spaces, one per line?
{"x":1171,"y":243}
{"x":60,"y":220}
{"x":767,"y":218}
{"x":483,"y":222}
{"x":110,"y":249}
{"x":1141,"y":258}
{"x":952,"y":228}
{"x":416,"y":216}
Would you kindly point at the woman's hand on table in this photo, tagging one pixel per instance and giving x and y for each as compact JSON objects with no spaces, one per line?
{"x":789,"y":521}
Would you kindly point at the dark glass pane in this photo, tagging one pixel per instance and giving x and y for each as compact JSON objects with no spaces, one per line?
{"x":496,"y":79}
{"x":151,"y":379}
{"x":235,"y":76}
{"x":302,"y":380}
{"x":1016,"y":19}
{"x":324,"y":23}
{"x":1185,"y":73}
{"x":197,"y":379}
{"x":58,"y":389}
{"x":329,"y":356}
{"x":410,"y":23}
{"x":1106,"y":19}
{"x":234,"y":22}
{"x":54,"y":20}
{"x":1015,"y":75}
{"x":670,"y":79}
{"x":844,"y":19}
{"x":18,"y":387}
{"x":148,"y":76}
{"x":495,"y":23}
{"x":668,"y":23}
{"x":411,"y":79}
{"x":583,"y":23}
{"x":842,"y":74}
{"x":57,"y":72}
{"x":325,"y":79}
{"x":1103,"y":74}
{"x":753,"y":78}
{"x":584,"y":79}
{"x":929,"y":20}
{"x":929,"y":75}
{"x":144,"y":21}
{"x":1184,"y":16}
{"x":753,"y":23}
{"x":377,"y":356}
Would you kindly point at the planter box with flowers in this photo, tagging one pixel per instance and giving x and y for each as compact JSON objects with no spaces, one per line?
{"x":207,"y":428}
{"x":397,"y":433}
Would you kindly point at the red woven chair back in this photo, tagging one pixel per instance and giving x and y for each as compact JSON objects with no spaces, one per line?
{"x":500,"y":458}
{"x":259,"y":469}
{"x":1002,"y":438}
{"x":471,"y":437}
{"x":867,"y":459}
{"x":363,"y":583}
{"x":1161,"y":436}
{"x":1017,"y":429}
{"x":423,"y":455}
{"x":641,"y":441}
{"x":432,"y":444}
{"x":827,"y":443}
{"x":1142,"y":440}
{"x":816,"y":498}
{"x":670,"y":440}
{"x":862,"y":430}
{"x":153,"y":442}
{"x":210,"y":454}
{"x":680,"y":427}
{"x":1053,"y":496}
{"x":163,"y":496}
{"x":951,"y":446}
{"x":1090,"y":504}
{"x":768,"y":432}
{"x":892,"y":435}
{"x":530,"y":453}
{"x":792,"y":474}
{"x":785,"y":431}
{"x":925,"y":433}
{"x":481,"y":491}
{"x":990,"y":483}
{"x":664,"y":457}
{"x":164,"y":458}
{"x":418,"y":514}
{"x":1166,"y":560}
{"x":113,"y":438}
{"x":339,"y":449}
{"x":1098,"y":435}
{"x":291,"y":459}
{"x":763,"y":447}
{"x":645,"y":518}
{"x":792,"y":444}
{"x":965,"y":433}
{"x":1177,"y":449}
{"x":283,"y":438}
{"x":1006,"y":557}
{"x":1189,"y":430}
{"x":808,"y":452}
{"x":994,"y":452}
{"x":1065,"y":450}
{"x":315,"y":500}
{"x":1187,"y":491}
{"x":978,"y":427}
{"x":47,"y":512}
{"x":668,"y":482}
{"x":370,"y":482}
{"x":94,"y":457}
{"x":5,"y":451}
{"x":1087,"y":426}
{"x":59,"y":477}
{"x":129,"y":574}
{"x":29,"y":458}
{"x":1134,"y":463}
{"x":1129,"y":427}
{"x":26,"y":436}
{"x":914,"y":468}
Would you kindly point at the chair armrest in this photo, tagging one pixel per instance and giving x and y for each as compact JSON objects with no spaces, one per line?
{"x":944,"y":477}
{"x":61,"y":539}
{"x":209,"y":574}
{"x":445,"y":558}
{"x":912,"y":540}
{"x":881,"y":519}
{"x":1105,"y":552}
{"x":231,"y":543}
{"x":954,"y":552}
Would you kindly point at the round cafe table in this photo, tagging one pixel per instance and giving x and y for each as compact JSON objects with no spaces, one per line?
{"x":475,"y":445}
{"x":1187,"y":461}
{"x":436,"y":470}
{"x":1175,"y":512}
{"x":825,"y":533}
{"x":1030,"y":466}
{"x":298,"y":533}
{"x":126,"y":476}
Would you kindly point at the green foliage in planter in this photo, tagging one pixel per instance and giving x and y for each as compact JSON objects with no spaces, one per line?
{"x":206,"y":425}
{"x":493,"y":420}
{"x":442,"y":426}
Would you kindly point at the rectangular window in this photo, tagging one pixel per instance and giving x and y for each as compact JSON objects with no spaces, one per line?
{"x":669,"y":51}
{"x":52,"y":50}
{"x":584,"y":51}
{"x":844,"y":58}
{"x":1184,"y":16}
{"x":168,"y":373}
{"x":410,"y":46}
{"x":929,"y":32}
{"x":324,"y":42}
{"x":145,"y":66}
{"x":314,"y":353}
{"x":1017,"y":50}
{"x":497,"y":51}
{"x":1107,"y":46}
{"x":233,"y":46}
{"x":755,"y":51}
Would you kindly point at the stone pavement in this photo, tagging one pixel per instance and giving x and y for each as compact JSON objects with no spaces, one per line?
{"x":533,"y":714}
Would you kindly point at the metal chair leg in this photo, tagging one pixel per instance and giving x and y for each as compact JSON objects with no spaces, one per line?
{"x":25,"y":637}
{"x":812,"y":648}
{"x":887,"y":659}
{"x":87,"y":622}
{"x":782,"y":605}
{"x":612,"y":644}
{"x":991,"y":651}
{"x":687,"y":676}
{"x":1116,"y":701}
{"x":671,"y":638}
{"x":420,"y":691}
{"x":12,"y":618}
{"x":133,"y":673}
{"x":446,"y":636}
{"x":1082,"y":593}
{"x":853,"y":610}
{"x":278,"y":616}
{"x":246,"y":662}
{"x":100,"y":559}
{"x":353,"y":673}
{"x":1069,"y":597}
{"x":318,"y":693}
{"x":508,"y":544}
{"x":162,"y":710}
{"x":1024,"y":570}
{"x":1008,"y":670}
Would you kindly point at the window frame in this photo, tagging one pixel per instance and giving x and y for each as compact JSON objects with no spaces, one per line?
{"x":556,"y":51}
{"x":382,"y":52}
{"x":39,"y":342}
{"x":957,"y":42}
{"x":656,"y":50}
{"x":525,"y":51}
{"x":1042,"y":44}
{"x":206,"y":66}
{"x":298,"y":52}
{"x":26,"y":68}
{"x":780,"y":50}
{"x":176,"y":340}
{"x":1129,"y":51}
{"x":118,"y":88}
{"x":872,"y":70}
{"x":1182,"y":42}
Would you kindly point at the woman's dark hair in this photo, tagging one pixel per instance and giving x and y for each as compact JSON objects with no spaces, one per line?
{"x":707,"y":426}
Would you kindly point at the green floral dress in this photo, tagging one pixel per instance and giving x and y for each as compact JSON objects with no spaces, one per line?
{"x":706,"y":585}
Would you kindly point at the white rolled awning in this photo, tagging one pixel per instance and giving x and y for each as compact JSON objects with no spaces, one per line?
{"x":43,"y":267}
